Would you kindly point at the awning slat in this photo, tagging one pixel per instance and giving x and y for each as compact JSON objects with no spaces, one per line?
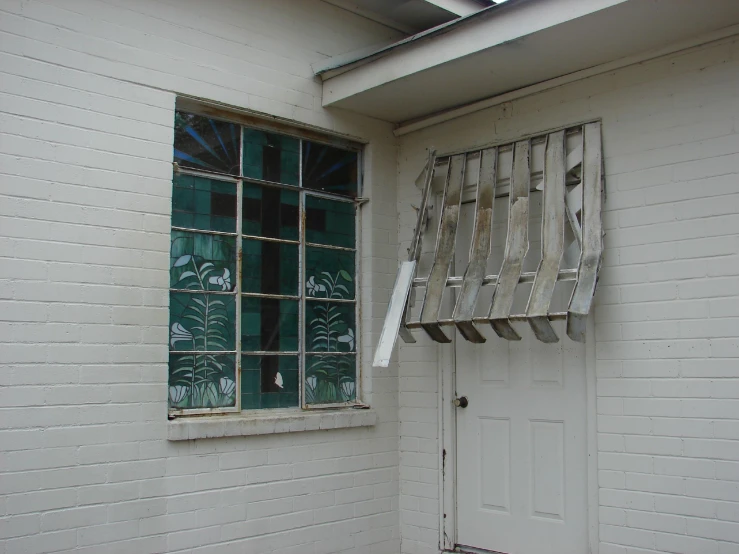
{"x":444,"y":248}
{"x":552,"y":239}
{"x":517,"y":243}
{"x":592,"y":233}
{"x":480,"y":249}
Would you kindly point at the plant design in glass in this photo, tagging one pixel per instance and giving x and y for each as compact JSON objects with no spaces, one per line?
{"x":330,"y":366}
{"x":207,"y":379}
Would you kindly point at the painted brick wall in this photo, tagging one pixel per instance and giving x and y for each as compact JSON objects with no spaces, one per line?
{"x":87,"y":92}
{"x":667,"y":315}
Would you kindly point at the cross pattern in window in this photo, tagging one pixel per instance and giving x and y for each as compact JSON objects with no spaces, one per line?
{"x":263,"y":270}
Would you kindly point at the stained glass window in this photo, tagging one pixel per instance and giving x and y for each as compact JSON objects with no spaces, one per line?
{"x":262,"y":270}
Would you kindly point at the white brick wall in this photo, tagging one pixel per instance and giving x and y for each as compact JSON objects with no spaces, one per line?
{"x":666,"y":310}
{"x":87,"y":91}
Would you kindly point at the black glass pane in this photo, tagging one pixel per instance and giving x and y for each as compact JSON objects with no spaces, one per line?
{"x":270,"y":267}
{"x":270,"y":212}
{"x":330,"y":326}
{"x":202,"y":380}
{"x":329,"y":273}
{"x":330,"y":379}
{"x":202,"y":262}
{"x":208,"y":144}
{"x":269,"y":325}
{"x":269,"y":382}
{"x":329,"y":169}
{"x":330,"y":222}
{"x":271,"y":157}
{"x":206,"y":204}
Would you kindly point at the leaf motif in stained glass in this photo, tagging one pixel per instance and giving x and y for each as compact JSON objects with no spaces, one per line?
{"x":338,"y":282}
{"x":202,"y":380}
{"x":330,"y":379}
{"x":202,"y":262}
{"x":206,"y":144}
{"x":203,"y":322}
{"x":330,"y":326}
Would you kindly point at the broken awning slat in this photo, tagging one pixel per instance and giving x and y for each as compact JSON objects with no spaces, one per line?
{"x":480,"y":249}
{"x":444,"y":248}
{"x":567,"y":166}
{"x":592,"y":233}
{"x":517,"y":243}
{"x":552,"y":239}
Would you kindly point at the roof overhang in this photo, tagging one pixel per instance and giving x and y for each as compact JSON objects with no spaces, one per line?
{"x":510,"y":46}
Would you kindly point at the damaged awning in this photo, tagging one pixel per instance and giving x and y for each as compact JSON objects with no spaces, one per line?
{"x":562,"y":169}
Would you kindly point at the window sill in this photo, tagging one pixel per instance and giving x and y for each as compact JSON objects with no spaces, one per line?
{"x":260,"y":422}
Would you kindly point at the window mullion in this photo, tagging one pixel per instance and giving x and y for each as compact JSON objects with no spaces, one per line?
{"x":301,"y":282}
{"x":239,"y":264}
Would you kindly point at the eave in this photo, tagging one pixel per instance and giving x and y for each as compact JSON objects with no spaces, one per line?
{"x":512,"y":46}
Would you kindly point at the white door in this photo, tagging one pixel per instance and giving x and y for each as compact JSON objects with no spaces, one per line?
{"x":522,"y":463}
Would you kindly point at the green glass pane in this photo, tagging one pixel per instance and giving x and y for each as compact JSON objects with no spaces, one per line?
{"x":270,"y":212}
{"x":202,"y":262}
{"x":330,"y":378}
{"x":207,"y":144}
{"x":329,"y":273}
{"x":270,"y":267}
{"x":206,"y":204}
{"x":269,"y":325}
{"x":202,"y":380}
{"x":271,"y":157}
{"x":203,"y":322}
{"x":330,"y":222}
{"x":269,"y":382}
{"x":330,"y":169}
{"x":330,"y":326}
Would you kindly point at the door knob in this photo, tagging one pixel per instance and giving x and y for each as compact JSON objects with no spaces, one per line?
{"x":461,"y":402}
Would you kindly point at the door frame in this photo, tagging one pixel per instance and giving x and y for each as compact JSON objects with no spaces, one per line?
{"x":447,"y":369}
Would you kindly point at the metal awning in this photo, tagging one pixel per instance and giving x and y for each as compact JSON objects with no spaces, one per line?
{"x":566,"y":167}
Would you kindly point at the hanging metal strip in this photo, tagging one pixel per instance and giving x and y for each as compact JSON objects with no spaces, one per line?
{"x":444,"y":248}
{"x":552,"y":239}
{"x":397,"y":310}
{"x":592,"y":233}
{"x":480,"y":248}
{"x":517,"y":243}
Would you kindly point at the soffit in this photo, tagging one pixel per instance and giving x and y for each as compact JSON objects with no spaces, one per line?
{"x":511,"y":46}
{"x":411,"y":16}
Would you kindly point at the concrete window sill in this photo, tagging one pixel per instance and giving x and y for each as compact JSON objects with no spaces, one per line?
{"x":260,"y":422}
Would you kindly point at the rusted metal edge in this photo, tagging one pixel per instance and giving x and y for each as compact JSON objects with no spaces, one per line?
{"x":414,"y":252}
{"x":592,"y":233}
{"x":479,"y":249}
{"x":517,"y":243}
{"x":552,"y":239}
{"x":526,"y":277}
{"x":445,"y":242}
{"x":554,"y":316}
